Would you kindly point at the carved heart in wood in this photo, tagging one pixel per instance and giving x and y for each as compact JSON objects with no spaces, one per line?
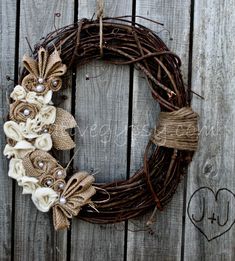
{"x":212,"y":213}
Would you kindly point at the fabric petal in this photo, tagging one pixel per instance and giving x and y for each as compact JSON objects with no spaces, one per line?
{"x":65,"y":119}
{"x":61,"y":139}
{"x":31,"y":65}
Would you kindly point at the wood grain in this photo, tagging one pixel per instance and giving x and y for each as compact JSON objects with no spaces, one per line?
{"x":213,"y":77}
{"x":162,"y":240}
{"x":102,"y":115}
{"x":7,"y":50}
{"x":35,"y":238}
{"x":101,"y":109}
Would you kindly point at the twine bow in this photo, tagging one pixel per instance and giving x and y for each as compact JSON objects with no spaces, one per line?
{"x":77,"y":193}
{"x":177,"y":129}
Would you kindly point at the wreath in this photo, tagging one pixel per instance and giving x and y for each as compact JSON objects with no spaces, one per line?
{"x":35,"y":125}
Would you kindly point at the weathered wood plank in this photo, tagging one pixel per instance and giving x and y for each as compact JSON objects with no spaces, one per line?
{"x":7,"y":50}
{"x":165,"y":241}
{"x":102,"y":115}
{"x":213,"y":77}
{"x":35,"y":238}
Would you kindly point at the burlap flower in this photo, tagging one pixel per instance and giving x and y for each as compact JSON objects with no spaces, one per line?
{"x":59,"y":185}
{"x":49,"y":172}
{"x":76,"y":194}
{"x":58,"y":173}
{"x":52,"y":182}
{"x":39,"y":163}
{"x":44,"y":73}
{"x":21,"y":111}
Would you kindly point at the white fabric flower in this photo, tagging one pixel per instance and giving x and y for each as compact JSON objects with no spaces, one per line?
{"x":47,"y":97}
{"x":44,"y":198}
{"x":18,"y":93}
{"x":12,"y":130}
{"x":9,"y":151}
{"x":43,"y":142}
{"x":16,"y":169}
{"x":48,"y":114}
{"x":29,"y":184}
{"x":19,"y":150}
{"x":33,"y":97}
{"x":31,"y":127}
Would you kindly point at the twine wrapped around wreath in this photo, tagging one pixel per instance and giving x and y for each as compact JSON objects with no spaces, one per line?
{"x":126,"y":42}
{"x":177,"y":129}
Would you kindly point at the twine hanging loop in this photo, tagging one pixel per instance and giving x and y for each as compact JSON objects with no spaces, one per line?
{"x":100,"y":15}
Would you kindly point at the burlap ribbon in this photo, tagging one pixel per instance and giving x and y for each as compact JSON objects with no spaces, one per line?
{"x":38,"y":163}
{"x":48,"y":68}
{"x":77,"y":193}
{"x":17,"y":109}
{"x":177,"y":129}
{"x":60,"y":137}
{"x":47,"y":65}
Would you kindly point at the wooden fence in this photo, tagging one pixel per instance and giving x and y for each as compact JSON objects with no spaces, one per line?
{"x":198,"y":223}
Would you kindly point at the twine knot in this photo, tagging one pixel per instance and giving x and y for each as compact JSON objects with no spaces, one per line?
{"x":177,"y":129}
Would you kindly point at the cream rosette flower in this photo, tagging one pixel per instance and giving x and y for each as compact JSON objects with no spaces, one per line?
{"x":18,"y":93}
{"x":44,"y":198}
{"x":16,"y":169}
{"x":43,"y":142}
{"x":13,"y":131}
{"x":33,"y":97}
{"x":32,"y":127}
{"x":29,"y":184}
{"x":19,"y":151}
{"x":48,"y":114}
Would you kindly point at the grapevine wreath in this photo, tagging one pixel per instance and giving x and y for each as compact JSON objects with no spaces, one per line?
{"x":35,"y":126}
